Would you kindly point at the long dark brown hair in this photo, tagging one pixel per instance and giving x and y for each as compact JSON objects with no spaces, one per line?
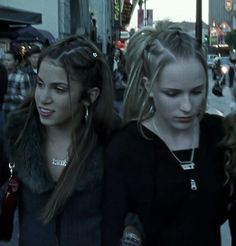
{"x":82,"y":62}
{"x":229,"y":144}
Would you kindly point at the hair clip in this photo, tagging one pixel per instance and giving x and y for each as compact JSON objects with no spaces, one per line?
{"x":95,"y":54}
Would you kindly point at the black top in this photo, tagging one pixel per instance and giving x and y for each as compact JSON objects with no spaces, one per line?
{"x":143,"y":177}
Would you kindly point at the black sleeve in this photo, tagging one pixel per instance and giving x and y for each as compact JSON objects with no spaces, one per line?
{"x":114,"y":200}
{"x":4,"y":170}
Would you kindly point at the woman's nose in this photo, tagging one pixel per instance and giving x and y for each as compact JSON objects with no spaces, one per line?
{"x":186,"y":104}
{"x":45,"y":96}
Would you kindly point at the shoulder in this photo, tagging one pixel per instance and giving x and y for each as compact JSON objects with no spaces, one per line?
{"x":125,"y":135}
{"x":127,"y":143}
{"x":16,"y":119}
{"x":15,"y":123}
{"x":209,"y":120}
{"x":212,"y":126}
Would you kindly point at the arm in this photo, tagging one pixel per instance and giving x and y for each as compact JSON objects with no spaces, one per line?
{"x":114,"y":202}
{"x":4,"y":170}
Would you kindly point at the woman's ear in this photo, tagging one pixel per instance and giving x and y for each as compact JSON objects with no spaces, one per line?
{"x":93,"y":94}
{"x":147,"y":85}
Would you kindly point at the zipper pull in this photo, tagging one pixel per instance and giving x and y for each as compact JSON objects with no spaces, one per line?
{"x":193,"y":184}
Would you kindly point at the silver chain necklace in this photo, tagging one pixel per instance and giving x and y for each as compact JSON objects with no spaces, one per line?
{"x":186,"y":165}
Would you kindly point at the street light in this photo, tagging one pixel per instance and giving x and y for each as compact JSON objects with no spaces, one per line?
{"x":198,"y":27}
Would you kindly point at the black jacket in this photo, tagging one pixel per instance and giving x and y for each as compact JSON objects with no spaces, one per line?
{"x":144,"y":178}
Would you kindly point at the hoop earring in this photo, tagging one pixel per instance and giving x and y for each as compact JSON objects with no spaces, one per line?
{"x":86,"y":113}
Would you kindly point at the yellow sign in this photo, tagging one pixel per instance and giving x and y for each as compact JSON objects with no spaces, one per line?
{"x":116,"y":10}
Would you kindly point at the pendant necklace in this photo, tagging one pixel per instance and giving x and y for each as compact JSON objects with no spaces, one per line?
{"x":185,"y":165}
{"x":59,"y":162}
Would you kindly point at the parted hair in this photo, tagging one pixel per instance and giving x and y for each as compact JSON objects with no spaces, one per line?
{"x":85,"y":63}
{"x":148,"y":52}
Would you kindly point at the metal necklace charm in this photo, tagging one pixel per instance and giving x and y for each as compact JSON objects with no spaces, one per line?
{"x":59,"y":162}
{"x":185,"y":165}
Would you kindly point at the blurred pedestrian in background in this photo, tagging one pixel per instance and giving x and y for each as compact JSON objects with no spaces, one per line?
{"x":32,"y":56}
{"x":19,"y":87}
{"x":120,"y":78}
{"x":229,"y":88}
{"x":57,"y":143}
{"x":165,"y":165}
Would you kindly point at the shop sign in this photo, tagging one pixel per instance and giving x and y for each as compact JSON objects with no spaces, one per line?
{"x":117,"y":13}
{"x":140,"y":18}
{"x":126,"y":13}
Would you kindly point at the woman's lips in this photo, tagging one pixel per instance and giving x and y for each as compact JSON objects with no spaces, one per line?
{"x":184,"y":119}
{"x":45,"y":112}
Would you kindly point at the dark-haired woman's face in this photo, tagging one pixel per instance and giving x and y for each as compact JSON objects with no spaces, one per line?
{"x":55,"y":98}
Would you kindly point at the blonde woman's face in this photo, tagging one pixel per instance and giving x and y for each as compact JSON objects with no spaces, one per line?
{"x":55,"y":99}
{"x":179,"y":93}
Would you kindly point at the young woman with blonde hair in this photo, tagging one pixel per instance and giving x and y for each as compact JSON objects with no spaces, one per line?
{"x":165,"y":165}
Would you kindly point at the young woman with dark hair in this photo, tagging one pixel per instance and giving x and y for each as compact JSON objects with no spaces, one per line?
{"x":57,"y":142}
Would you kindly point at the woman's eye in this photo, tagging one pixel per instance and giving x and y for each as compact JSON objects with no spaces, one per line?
{"x":171,"y":93}
{"x":39,"y":83}
{"x":197,"y":92}
{"x":61,"y":89}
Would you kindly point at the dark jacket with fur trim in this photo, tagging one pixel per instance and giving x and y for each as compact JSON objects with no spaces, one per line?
{"x":78,"y":224}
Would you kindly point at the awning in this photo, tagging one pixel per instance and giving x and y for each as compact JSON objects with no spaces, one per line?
{"x":13,"y":16}
{"x":32,"y":34}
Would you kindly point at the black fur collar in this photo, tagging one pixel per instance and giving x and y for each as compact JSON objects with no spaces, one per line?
{"x":28,"y":157}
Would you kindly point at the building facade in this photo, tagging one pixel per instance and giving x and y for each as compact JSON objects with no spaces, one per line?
{"x":218,"y":13}
{"x":221,"y":21}
{"x":65,"y":17}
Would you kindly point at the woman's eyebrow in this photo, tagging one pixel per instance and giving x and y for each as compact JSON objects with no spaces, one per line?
{"x":54,"y":83}
{"x":178,"y":89}
{"x":199,"y":87}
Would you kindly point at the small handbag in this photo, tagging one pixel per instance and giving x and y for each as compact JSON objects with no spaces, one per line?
{"x":217,"y":89}
{"x":8,"y":204}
